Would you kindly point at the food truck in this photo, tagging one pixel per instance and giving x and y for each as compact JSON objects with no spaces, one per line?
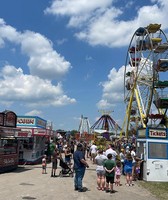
{"x":32,"y":137}
{"x":9,"y":153}
{"x":152,"y":147}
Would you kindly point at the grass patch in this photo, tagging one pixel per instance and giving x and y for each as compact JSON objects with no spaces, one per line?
{"x":159,"y":189}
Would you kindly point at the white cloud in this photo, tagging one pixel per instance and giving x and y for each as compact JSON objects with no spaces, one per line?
{"x":44,"y":61}
{"x":32,"y":90}
{"x":61,"y":41}
{"x":34,"y":113}
{"x":8,"y":33}
{"x":100,"y":23}
{"x":112,"y":89}
{"x":76,"y":7}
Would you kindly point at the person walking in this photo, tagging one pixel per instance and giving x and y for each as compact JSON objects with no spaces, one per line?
{"x":99,"y":160}
{"x":93,"y":151}
{"x":109,"y":166}
{"x":80,"y":165}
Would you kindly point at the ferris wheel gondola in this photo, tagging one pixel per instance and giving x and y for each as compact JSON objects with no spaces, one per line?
{"x":145,"y":84}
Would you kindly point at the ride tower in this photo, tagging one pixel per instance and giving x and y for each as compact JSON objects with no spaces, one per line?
{"x":84,"y":126}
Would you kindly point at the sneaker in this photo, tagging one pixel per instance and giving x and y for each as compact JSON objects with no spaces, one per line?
{"x":81,"y":190}
{"x":127,"y":184}
{"x":76,"y":189}
{"x":107,"y":191}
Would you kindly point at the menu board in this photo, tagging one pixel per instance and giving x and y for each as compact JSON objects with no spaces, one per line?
{"x":10,"y":119}
{"x":1,"y":119}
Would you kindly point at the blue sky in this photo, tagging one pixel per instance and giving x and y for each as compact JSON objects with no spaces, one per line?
{"x":60,"y":59}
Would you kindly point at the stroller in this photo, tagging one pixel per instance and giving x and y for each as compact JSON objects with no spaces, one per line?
{"x":66,"y":169}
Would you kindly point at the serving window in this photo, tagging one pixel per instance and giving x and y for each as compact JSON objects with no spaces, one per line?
{"x":8,"y":146}
{"x":26,"y":143}
{"x":158,"y":150}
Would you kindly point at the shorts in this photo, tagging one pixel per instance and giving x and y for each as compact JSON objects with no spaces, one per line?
{"x":43,"y":166}
{"x":109,"y":179}
{"x":100,"y":172}
{"x":54,"y":164}
{"x":93,"y":155}
{"x":128,"y":170}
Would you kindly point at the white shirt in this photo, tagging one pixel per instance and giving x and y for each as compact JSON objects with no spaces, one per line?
{"x":133,"y":154}
{"x":100,"y":158}
{"x":93,"y":149}
{"x":111,"y":151}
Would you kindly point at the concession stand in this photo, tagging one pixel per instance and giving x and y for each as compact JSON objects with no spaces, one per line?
{"x":152,"y":147}
{"x":32,"y":137}
{"x":8,"y":142}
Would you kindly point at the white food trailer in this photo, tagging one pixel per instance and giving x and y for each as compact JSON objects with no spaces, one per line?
{"x":152,"y":147}
{"x":32,"y":137}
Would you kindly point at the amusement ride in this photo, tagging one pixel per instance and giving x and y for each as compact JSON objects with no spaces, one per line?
{"x":145,"y":84}
{"x":105,"y":123}
{"x":84,"y":126}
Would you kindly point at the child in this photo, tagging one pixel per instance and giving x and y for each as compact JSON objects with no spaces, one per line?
{"x":44,"y":164}
{"x":137,"y":169}
{"x":118,"y":172}
{"x":109,"y":166}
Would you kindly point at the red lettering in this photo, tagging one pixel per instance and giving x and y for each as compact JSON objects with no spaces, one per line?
{"x":25,"y":121}
{"x":157,"y":133}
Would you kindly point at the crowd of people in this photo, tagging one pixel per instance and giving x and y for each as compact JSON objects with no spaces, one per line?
{"x":110,"y":162}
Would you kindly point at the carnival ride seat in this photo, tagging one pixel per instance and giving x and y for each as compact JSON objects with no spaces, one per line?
{"x":141,"y":45}
{"x":161,"y":48}
{"x":133,"y":49}
{"x":161,"y":103}
{"x":140,"y":31}
{"x":133,"y":111}
{"x":135,"y":62}
{"x":153,"y":28}
{"x":155,"y":116}
{"x":162,"y":65}
{"x":152,"y":43}
{"x":161,"y":84}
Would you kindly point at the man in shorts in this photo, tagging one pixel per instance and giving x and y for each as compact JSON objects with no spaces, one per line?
{"x":54,"y":158}
{"x":109,"y":166}
{"x":93,"y":151}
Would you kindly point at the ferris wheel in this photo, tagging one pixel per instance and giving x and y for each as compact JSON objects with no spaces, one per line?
{"x":145,"y":84}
